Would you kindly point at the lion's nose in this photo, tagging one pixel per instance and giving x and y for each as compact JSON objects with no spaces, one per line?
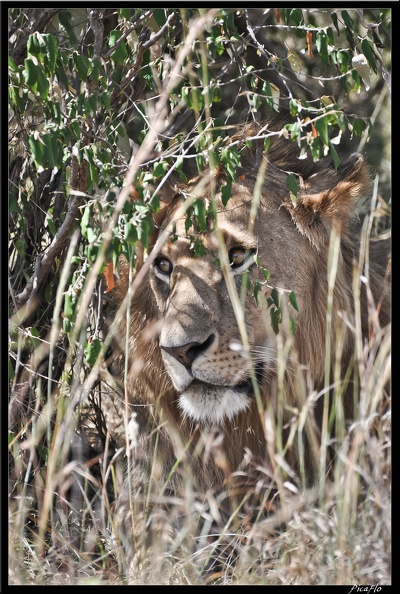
{"x":187,"y":353}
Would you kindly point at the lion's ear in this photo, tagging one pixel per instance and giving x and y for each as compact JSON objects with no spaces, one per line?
{"x":314,"y":213}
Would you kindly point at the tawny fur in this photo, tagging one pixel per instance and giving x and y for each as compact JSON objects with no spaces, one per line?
{"x":294,"y":240}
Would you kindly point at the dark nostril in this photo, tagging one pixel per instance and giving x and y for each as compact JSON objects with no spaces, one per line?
{"x":187,"y":353}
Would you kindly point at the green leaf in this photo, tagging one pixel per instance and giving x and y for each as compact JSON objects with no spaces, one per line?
{"x":322,"y":46}
{"x":321,"y":126}
{"x":293,"y":300}
{"x":35,"y":46}
{"x":120,"y":53}
{"x":348,"y":21}
{"x":65,"y":20}
{"x":199,"y":210}
{"x":92,"y":350}
{"x":359,"y":126}
{"x":188,"y":221}
{"x":49,"y":150}
{"x":159,"y":16}
{"x":96,"y":67}
{"x":93,"y":169}
{"x":160,"y":169}
{"x":377,"y":39}
{"x":330,"y":36}
{"x":198,"y":248}
{"x":154,"y":203}
{"x":266,"y":274}
{"x":275,"y":297}
{"x":15,"y":99}
{"x":193,"y":98}
{"x":343,"y":59}
{"x":125,"y":13}
{"x":292,"y":324}
{"x":294,"y":107}
{"x":369,"y":54}
{"x":275,"y":320}
{"x":83,"y":65}
{"x":92,"y":236}
{"x":51,"y":53}
{"x":294,"y":130}
{"x":230,"y":159}
{"x":69,"y":305}
{"x":11,"y":374}
{"x":335,"y":21}
{"x":61,"y":74}
{"x":130,"y":233}
{"x":93,"y":102}
{"x":256,"y":290}
{"x":20,"y":247}
{"x":12,"y":65}
{"x":91,"y":252}
{"x":144,"y":230}
{"x":37,"y":151}
{"x":315,"y":149}
{"x":31,"y":73}
{"x":43,"y":86}
{"x":13,"y":205}
{"x":50,"y":224}
{"x":85,"y":221}
{"x":34,"y":336}
{"x":226,"y":191}
{"x":294,"y":61}
{"x":334,"y":155}
{"x":105,"y":101}
{"x":296,"y":17}
{"x":76,"y":129}
{"x":271,"y":93}
{"x":292,"y":184}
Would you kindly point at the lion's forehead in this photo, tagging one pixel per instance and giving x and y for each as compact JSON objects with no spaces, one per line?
{"x":233,"y":224}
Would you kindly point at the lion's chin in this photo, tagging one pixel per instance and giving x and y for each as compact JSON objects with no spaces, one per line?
{"x":212,"y":405}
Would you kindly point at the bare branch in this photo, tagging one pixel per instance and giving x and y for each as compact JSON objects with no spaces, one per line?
{"x":44,"y":263}
{"x":168,"y":23}
{"x":96,"y":23}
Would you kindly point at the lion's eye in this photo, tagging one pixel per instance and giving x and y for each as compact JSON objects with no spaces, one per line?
{"x":238,"y":256}
{"x":164,"y":266}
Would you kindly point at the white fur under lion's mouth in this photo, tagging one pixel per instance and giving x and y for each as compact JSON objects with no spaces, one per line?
{"x":214,"y":404}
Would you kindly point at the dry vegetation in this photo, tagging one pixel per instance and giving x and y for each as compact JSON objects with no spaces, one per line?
{"x":62,"y":522}
{"x":71,"y":435}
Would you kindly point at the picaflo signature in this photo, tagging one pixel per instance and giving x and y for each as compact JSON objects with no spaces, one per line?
{"x":367,"y":588}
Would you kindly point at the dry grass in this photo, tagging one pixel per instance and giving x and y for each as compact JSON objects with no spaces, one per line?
{"x":70,"y":440}
{"x":67,"y":465}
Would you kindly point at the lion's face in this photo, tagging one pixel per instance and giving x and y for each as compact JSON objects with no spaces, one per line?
{"x":205,"y":364}
{"x":201,"y":344}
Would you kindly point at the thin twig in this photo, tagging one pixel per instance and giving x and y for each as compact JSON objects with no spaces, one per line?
{"x":43,"y":267}
{"x":159,"y":124}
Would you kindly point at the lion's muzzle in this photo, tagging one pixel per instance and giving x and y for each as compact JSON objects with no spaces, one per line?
{"x":187,"y":353}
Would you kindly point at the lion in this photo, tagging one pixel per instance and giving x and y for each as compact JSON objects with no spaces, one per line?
{"x":203,"y":355}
